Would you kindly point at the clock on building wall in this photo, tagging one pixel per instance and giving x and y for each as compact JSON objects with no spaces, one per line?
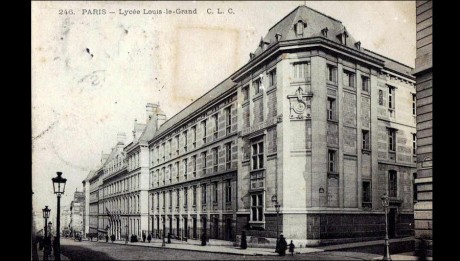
{"x":300,"y":106}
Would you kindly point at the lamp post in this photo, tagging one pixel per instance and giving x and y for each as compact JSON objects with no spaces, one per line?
{"x":46,"y":215}
{"x":164,"y":232}
{"x":59,"y":188}
{"x":385,"y":204}
{"x":277,"y":208}
{"x":127,"y":233}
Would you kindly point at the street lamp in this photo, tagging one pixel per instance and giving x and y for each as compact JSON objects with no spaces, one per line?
{"x":164,"y":232}
{"x":59,"y":188}
{"x":46,"y":215}
{"x":277,"y":207}
{"x":385,"y":204}
{"x":127,"y":233}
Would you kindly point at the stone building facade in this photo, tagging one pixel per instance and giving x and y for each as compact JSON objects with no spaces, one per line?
{"x":76,"y":213}
{"x":423,"y":185}
{"x":313,"y":118}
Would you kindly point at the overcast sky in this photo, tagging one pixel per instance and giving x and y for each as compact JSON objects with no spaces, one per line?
{"x":92,"y":75}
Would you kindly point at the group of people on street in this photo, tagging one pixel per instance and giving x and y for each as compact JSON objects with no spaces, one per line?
{"x":282,"y":246}
{"x":47,"y":245}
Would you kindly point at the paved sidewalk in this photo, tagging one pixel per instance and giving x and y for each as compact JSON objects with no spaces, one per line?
{"x":363,"y":244}
{"x":51,"y":257}
{"x":215,"y":246}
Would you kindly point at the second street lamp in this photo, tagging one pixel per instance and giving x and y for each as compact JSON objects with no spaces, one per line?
{"x":277,"y":208}
{"x":46,"y":215}
{"x":385,"y":204}
{"x":59,"y":188}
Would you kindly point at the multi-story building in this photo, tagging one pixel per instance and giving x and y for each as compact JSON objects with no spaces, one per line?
{"x":423,"y":186}
{"x":65,"y":219}
{"x":76,"y":213}
{"x":313,"y":119}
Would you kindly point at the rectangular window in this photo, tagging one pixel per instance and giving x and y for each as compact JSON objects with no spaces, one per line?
{"x":158,"y":177}
{"x":177,"y":171}
{"x":391,"y":139}
{"x":170,"y":173}
{"x":330,"y":109}
{"x":367,"y":195}
{"x":185,"y":168}
{"x":228,"y":119}
{"x":185,"y":197}
{"x":164,"y":151}
{"x":194,"y":136}
{"x":245,"y":91}
{"x":302,"y":71}
{"x":257,"y":202}
{"x":348,"y":78}
{"x":391,"y":98}
{"x":164,"y":199}
{"x":256,"y":84}
{"x":380,"y":97}
{"x":228,"y":155}
{"x":215,"y":158}
{"x":203,"y":161}
{"x":204,"y":131}
{"x":414,"y":105}
{"x":177,"y":145}
{"x":203,"y":194}
{"x":194,"y":196}
{"x":170,"y":199}
{"x":366,"y":143}
{"x":228,"y":191}
{"x":185,"y":140}
{"x":414,"y":143}
{"x":177,"y":198}
{"x":272,"y":78}
{"x":214,"y":192}
{"x":365,"y":83}
{"x":257,"y":155}
{"x":331,"y":160}
{"x":194,"y":165}
{"x":216,"y":125}
{"x":392,"y":184}
{"x":163,"y":172}
{"x":331,"y":73}
{"x":414,"y":187}
{"x":169,"y":148}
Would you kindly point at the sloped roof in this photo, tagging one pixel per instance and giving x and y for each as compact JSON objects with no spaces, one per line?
{"x":196,"y":105}
{"x":315,"y":22}
{"x":149,"y":131}
{"x":91,"y":174}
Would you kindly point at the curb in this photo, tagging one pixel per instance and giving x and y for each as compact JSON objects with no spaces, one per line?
{"x":196,"y":250}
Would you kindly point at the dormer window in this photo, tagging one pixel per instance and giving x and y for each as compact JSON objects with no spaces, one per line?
{"x":324,"y":32}
{"x":299,"y":28}
{"x":251,"y":56}
{"x":278,"y":37}
{"x":358,"y":45}
{"x":343,"y":37}
{"x":262,"y":43}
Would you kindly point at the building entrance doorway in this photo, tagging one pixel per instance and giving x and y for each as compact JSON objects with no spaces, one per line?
{"x":392,"y":223}
{"x":185,"y":227}
{"x":228,"y":229}
{"x":194,"y":228}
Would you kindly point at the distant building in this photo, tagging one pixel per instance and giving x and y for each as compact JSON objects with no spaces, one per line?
{"x":65,"y":218}
{"x":423,"y":186}
{"x":313,"y":118}
{"x":76,"y":213}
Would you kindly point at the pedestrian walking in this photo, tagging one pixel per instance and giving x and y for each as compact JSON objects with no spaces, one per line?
{"x":149,"y":238}
{"x":106,"y":238}
{"x":291,"y":248}
{"x":282,"y":246}
{"x":203,"y":239}
{"x":244,"y":243}
{"x":112,"y":237}
{"x":143,"y":237}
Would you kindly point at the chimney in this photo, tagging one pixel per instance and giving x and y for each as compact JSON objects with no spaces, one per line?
{"x":278,"y":37}
{"x":121,"y":138}
{"x":150,"y":109}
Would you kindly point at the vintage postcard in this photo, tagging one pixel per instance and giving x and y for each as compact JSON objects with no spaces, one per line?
{"x":227,"y":129}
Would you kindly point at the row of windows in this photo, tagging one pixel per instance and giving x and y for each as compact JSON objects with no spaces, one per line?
{"x":160,"y":177}
{"x":160,"y":151}
{"x":124,"y":185}
{"x":125,"y":205}
{"x":348,"y":78}
{"x":204,"y":193}
{"x":392,"y":141}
